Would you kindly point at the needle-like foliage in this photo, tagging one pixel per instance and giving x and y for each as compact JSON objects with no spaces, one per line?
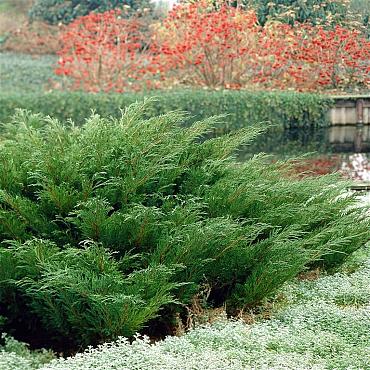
{"x":104,"y":224}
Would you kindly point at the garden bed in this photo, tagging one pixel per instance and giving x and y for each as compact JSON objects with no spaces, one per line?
{"x":317,"y":324}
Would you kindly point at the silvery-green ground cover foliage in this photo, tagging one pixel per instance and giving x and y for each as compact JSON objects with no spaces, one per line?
{"x":321,"y":324}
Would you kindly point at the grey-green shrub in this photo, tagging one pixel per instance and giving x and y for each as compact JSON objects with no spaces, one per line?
{"x":166,"y":213}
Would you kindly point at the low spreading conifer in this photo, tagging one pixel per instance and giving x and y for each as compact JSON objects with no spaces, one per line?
{"x":104,"y":224}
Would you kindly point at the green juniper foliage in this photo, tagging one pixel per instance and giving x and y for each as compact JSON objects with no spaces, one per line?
{"x":104,"y":224}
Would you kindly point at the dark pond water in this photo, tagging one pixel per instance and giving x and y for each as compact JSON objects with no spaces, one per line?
{"x":338,"y":148}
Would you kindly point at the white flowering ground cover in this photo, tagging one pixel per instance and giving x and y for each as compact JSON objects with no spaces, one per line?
{"x":324,"y":324}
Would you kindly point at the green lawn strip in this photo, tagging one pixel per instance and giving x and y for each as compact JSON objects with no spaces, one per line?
{"x":26,"y":74}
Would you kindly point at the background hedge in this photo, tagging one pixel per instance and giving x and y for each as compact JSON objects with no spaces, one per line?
{"x":55,"y":11}
{"x":290,"y":11}
{"x":283,"y":109}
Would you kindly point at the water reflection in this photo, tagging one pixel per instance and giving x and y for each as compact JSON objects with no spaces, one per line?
{"x":339,"y":148}
{"x":350,"y":138}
